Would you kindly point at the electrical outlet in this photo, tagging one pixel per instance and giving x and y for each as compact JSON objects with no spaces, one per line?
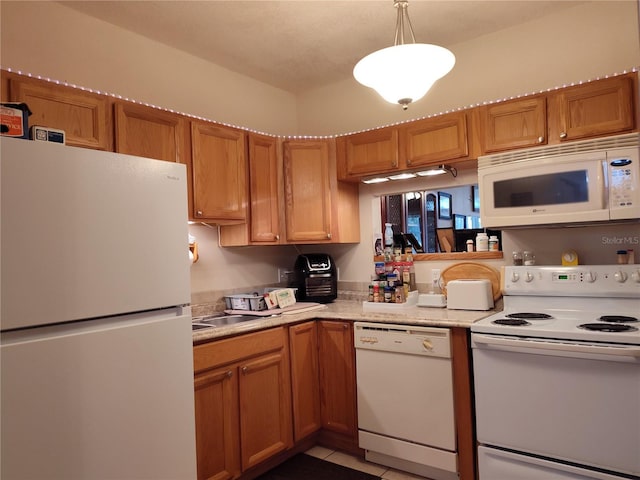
{"x":283,"y":275}
{"x":435,"y":274}
{"x":435,"y":280}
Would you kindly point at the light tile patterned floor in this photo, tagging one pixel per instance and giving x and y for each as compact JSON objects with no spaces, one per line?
{"x":358,"y":464}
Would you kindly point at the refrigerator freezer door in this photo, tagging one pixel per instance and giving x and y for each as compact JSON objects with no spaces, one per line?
{"x":87,"y":234}
{"x":102,"y":399}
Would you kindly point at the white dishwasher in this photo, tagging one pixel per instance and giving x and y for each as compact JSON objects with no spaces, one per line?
{"x":405,"y":398}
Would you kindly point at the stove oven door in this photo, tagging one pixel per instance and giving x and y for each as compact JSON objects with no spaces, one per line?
{"x":558,"y":399}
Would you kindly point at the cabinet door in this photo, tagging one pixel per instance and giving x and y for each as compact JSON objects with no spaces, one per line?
{"x":338,"y":381}
{"x":219,"y":173}
{"x":83,"y":116}
{"x":435,"y":140}
{"x":303,"y":346}
{"x":217,"y":424}
{"x":514,"y":124}
{"x":263,"y":189}
{"x":598,"y":108}
{"x":265,"y":407}
{"x":369,"y":153}
{"x":149,"y":132}
{"x":307,"y":189}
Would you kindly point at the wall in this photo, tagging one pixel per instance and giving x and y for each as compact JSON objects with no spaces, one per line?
{"x":575,"y":44}
{"x":593,"y":39}
{"x":49,"y":39}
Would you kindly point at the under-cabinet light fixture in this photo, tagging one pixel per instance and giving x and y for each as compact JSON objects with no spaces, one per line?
{"x":438,"y":170}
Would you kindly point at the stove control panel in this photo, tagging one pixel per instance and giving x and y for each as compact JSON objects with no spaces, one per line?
{"x":585,"y":280}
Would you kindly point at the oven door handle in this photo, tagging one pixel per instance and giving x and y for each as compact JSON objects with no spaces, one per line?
{"x":565,"y":347}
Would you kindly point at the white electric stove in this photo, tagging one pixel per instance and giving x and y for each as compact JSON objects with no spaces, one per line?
{"x":557,"y":375}
{"x":596,"y":303}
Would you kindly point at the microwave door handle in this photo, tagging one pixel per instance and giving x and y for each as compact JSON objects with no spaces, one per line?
{"x":528,"y":344}
{"x":603,"y":185}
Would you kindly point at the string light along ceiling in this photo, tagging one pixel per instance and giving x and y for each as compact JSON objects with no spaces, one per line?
{"x":405,"y":72}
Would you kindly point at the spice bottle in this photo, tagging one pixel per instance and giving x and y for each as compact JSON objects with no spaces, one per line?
{"x":529,"y":258}
{"x":622,"y":256}
{"x":469,"y":245}
{"x":493,"y":243}
{"x":517,"y":258}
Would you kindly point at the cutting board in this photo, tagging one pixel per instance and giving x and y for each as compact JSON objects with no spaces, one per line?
{"x":472,"y":271}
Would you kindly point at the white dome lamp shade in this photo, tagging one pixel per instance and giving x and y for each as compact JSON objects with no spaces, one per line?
{"x":405,"y":72}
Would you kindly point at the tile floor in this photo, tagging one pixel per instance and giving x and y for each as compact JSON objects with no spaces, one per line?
{"x":357,"y":464}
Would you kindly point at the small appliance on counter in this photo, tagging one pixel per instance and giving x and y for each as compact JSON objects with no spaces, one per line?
{"x":469,"y":294}
{"x":315,"y":277}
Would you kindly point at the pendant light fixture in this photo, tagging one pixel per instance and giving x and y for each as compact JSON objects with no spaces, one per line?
{"x":405,"y":72}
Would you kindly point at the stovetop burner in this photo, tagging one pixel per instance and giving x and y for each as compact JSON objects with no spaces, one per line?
{"x":529,"y":316}
{"x":512,"y":322}
{"x":607,"y":327}
{"x":618,"y":319}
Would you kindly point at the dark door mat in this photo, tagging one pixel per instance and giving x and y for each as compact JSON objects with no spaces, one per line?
{"x":306,"y":467}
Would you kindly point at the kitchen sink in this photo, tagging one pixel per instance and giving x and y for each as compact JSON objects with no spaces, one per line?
{"x":222,"y":320}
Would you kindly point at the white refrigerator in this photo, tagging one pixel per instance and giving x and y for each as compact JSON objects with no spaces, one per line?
{"x":96,"y":363}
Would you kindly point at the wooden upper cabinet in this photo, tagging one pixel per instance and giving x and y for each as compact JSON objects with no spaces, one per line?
{"x":264,"y":207}
{"x":307,"y":189}
{"x":219,"y":173}
{"x":368,"y":153}
{"x":84,"y":116}
{"x":513,"y":124}
{"x":149,"y":132}
{"x":603,"y":107}
{"x":434,"y":140}
{"x":264,"y":222}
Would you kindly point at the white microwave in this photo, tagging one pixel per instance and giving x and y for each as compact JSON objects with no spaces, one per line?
{"x":579,"y":182}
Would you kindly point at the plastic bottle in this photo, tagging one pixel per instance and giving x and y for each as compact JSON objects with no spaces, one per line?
{"x":469,"y":245}
{"x":493,"y":243}
{"x":388,"y":235}
{"x":482,"y":242}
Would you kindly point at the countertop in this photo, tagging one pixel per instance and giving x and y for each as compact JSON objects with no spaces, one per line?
{"x":353,"y":310}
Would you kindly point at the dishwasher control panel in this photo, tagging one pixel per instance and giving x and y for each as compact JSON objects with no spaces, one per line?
{"x":408,"y":339}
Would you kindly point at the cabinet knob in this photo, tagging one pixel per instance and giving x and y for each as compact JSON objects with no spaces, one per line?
{"x":345,"y":326}
{"x":199,"y":213}
{"x":540,"y":139}
{"x":277,"y":237}
{"x":229,"y":374}
{"x":329,"y":236}
{"x":563,"y":135}
{"x":245,"y":370}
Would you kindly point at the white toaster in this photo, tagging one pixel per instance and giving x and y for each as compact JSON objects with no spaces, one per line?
{"x":469,"y":295}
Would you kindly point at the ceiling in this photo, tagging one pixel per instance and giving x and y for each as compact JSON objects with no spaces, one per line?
{"x":305,"y":44}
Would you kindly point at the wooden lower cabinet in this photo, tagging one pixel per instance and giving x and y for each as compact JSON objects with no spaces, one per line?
{"x":242,"y":402}
{"x":305,"y":386}
{"x":217,"y":424}
{"x":338,"y":386}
